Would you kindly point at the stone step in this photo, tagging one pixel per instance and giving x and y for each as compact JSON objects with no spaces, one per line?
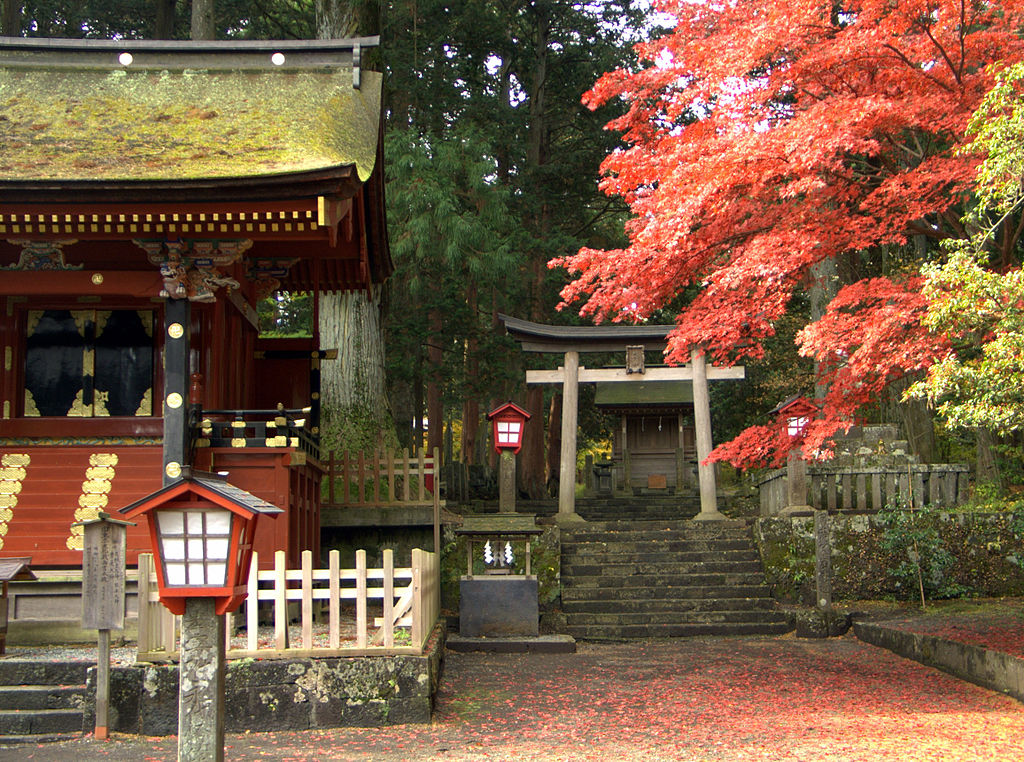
{"x":682,"y":630}
{"x":37,"y":722}
{"x":31,"y":672}
{"x":751,"y":566}
{"x":26,"y":697}
{"x":701,"y":591}
{"x":648,"y":526}
{"x":610,"y":588}
{"x":663,"y":547}
{"x":621,"y":619}
{"x":36,"y":738}
{"x":696,"y":606}
{"x":650,"y":563}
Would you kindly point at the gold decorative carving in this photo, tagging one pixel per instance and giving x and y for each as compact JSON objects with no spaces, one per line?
{"x":102,"y":316}
{"x":146,"y":404}
{"x":8,"y":359}
{"x":92,"y":501}
{"x":173,"y":469}
{"x":175,"y":330}
{"x":97,"y":279}
{"x":78,"y":408}
{"x":238,"y":442}
{"x":96,"y":486}
{"x":13,"y":467}
{"x":32,"y":321}
{"x":30,"y":405}
{"x":174,"y":400}
{"x":98,"y":477}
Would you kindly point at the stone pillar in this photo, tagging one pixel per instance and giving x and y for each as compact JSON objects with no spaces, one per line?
{"x":177,"y":318}
{"x":570,"y":411}
{"x":796,"y":484}
{"x":201,"y":683}
{"x":507,"y":482}
{"x":822,"y":561}
{"x":702,"y":422}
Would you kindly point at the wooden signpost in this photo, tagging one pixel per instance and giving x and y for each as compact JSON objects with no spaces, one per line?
{"x":103,"y":568}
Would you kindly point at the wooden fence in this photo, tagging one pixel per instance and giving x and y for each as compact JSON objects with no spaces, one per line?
{"x":392,"y":610}
{"x":383,"y":478}
{"x":867,"y":488}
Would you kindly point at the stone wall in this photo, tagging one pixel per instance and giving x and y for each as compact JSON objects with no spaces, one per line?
{"x":984,"y":556}
{"x":283,"y":694}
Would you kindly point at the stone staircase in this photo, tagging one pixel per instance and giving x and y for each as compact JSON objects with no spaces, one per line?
{"x":41,"y":701}
{"x":651,"y":579}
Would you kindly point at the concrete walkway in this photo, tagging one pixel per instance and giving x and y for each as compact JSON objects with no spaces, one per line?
{"x":687,"y":699}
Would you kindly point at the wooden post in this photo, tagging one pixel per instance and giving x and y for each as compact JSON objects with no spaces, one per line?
{"x":702,"y":422}
{"x":177,"y":318}
{"x":103,"y":567}
{"x":570,"y":411}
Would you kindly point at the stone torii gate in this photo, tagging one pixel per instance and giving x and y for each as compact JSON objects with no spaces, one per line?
{"x":633,"y":341}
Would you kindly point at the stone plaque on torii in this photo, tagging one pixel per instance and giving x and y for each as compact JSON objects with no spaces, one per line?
{"x":632,"y":341}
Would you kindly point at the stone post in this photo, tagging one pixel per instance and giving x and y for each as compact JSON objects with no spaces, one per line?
{"x":570,"y":411}
{"x":201,"y":683}
{"x":822,"y":561}
{"x":702,"y":422}
{"x":796,"y":484}
{"x":507,"y":482}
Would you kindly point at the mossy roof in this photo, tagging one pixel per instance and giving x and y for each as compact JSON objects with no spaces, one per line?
{"x":73,"y":124}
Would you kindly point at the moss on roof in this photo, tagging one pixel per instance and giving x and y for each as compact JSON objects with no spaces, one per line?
{"x":77,"y":124}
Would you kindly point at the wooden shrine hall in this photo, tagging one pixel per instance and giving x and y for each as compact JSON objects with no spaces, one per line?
{"x":151,"y":193}
{"x":673,"y":401}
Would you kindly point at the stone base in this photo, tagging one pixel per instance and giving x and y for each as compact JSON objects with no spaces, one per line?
{"x":282,"y":694}
{"x":569,"y":519}
{"x":710,"y":516}
{"x":542,"y":644}
{"x":797,"y":510}
{"x":498,"y":606}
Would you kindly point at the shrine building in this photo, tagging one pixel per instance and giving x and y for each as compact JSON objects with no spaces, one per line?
{"x":151,"y":193}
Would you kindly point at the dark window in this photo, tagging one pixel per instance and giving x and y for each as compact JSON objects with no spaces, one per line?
{"x":89,"y":363}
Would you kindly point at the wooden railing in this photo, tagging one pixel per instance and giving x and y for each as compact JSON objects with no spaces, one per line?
{"x":868,"y":488}
{"x":280,"y":427}
{"x":392,"y":610}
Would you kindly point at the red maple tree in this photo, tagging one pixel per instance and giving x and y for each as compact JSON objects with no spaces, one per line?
{"x":766,"y":136}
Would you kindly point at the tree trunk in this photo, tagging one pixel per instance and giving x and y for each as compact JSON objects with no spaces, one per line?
{"x":470,"y":404}
{"x":163,"y":27}
{"x":10,"y":18}
{"x":533,"y":464}
{"x":554,"y":459}
{"x":335,"y":19}
{"x":824,"y":285}
{"x":355,"y":407}
{"x":531,"y":478}
{"x":202,"y":20}
{"x":435,"y":406}
{"x":988,"y":471}
{"x":916,"y":421}
{"x":362,"y":417}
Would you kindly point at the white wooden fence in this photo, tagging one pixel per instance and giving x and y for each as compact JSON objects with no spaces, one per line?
{"x":390,"y":610}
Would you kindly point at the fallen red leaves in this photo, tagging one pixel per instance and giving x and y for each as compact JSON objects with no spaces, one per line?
{"x":716,"y":699}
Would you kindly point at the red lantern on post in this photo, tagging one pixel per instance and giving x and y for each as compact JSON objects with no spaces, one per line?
{"x":509,"y":422}
{"x":202,"y":530}
{"x":796,"y":412}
